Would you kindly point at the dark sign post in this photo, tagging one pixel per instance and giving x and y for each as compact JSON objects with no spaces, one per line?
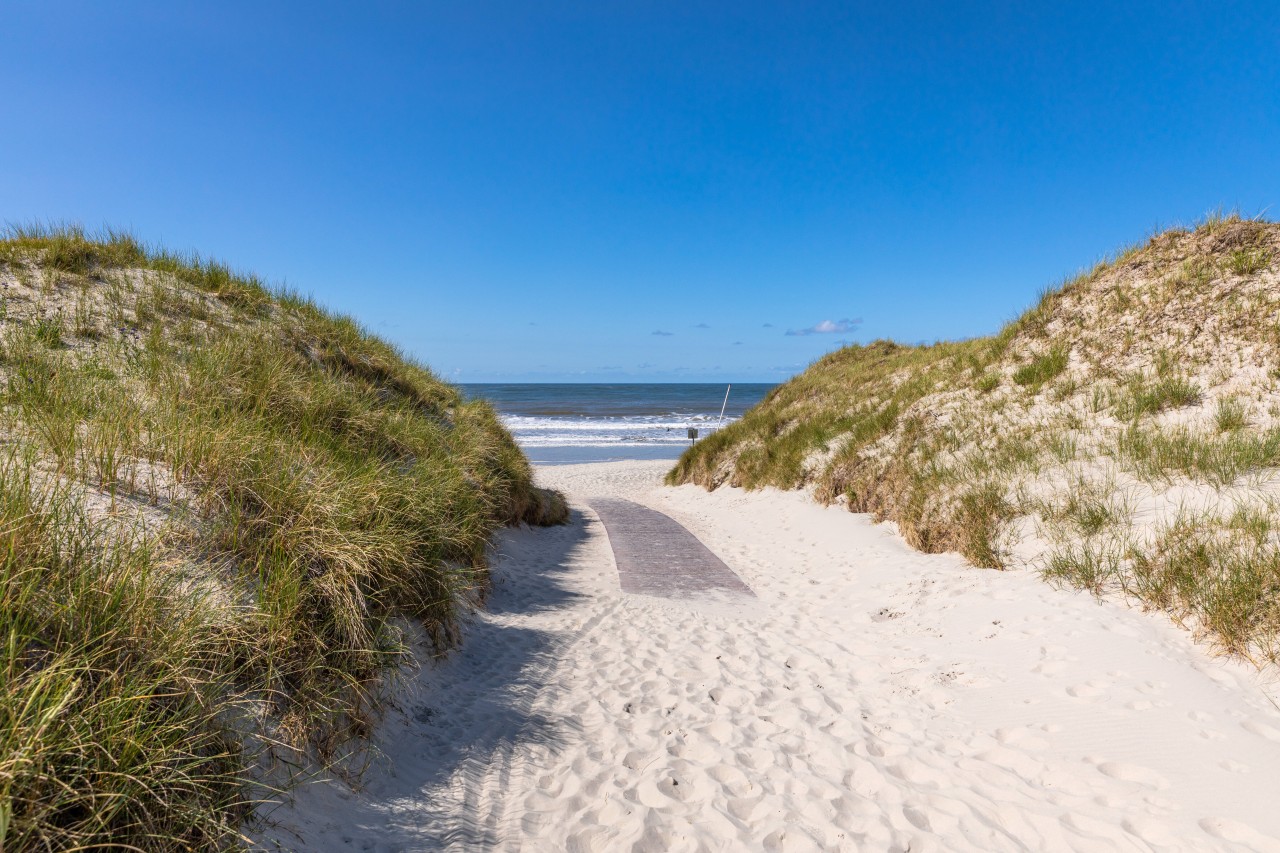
{"x":693,"y":435}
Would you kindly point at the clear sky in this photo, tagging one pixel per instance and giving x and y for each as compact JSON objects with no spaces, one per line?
{"x":645,"y":190}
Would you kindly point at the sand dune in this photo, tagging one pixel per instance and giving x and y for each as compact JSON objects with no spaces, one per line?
{"x":871,"y":698}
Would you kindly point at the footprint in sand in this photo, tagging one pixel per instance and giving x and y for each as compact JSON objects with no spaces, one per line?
{"x":647,"y":793}
{"x":1133,"y":773}
{"x":693,"y":747}
{"x":1057,"y":780}
{"x":733,"y":781}
{"x":729,"y":697}
{"x":754,"y":758}
{"x":744,"y":808}
{"x":1086,"y":826}
{"x":1049,"y":668}
{"x":916,"y":816}
{"x":1092,"y":690}
{"x":1239,"y":833}
{"x":1013,"y":760}
{"x":672,"y":788}
{"x":1151,"y":831}
{"x":1261,"y":730}
{"x":1024,"y":738}
{"x":638,"y":760}
{"x":592,"y":838}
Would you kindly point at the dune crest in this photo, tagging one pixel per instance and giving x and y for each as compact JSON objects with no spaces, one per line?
{"x":1122,"y":436}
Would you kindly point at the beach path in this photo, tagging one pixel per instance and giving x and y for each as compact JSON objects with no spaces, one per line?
{"x":864,"y":697}
{"x":656,"y":555}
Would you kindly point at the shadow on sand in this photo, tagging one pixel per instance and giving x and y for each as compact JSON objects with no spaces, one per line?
{"x":437,"y":772}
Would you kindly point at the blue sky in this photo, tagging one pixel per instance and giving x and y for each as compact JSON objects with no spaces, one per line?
{"x":643,"y":191}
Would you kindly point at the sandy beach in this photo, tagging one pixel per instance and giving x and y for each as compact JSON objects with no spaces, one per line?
{"x":870,"y":697}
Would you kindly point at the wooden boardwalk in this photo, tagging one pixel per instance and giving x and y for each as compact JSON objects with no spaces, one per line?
{"x":656,"y":555}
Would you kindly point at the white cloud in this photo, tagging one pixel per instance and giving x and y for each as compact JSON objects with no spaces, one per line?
{"x":828,"y":327}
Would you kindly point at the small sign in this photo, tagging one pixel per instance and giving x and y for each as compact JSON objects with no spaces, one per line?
{"x":693,"y":433}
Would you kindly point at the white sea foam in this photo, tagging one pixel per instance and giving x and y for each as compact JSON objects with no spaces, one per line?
{"x":635,"y":431}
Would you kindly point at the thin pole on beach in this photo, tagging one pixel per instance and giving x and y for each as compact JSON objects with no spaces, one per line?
{"x":723,"y":405}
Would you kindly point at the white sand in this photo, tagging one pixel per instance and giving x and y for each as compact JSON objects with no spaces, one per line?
{"x":873,"y":698}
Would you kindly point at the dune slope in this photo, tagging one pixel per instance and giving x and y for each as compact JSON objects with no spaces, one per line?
{"x":221,"y":511}
{"x":1122,"y":436}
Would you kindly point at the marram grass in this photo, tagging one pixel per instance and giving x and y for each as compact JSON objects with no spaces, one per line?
{"x":218,"y":505}
{"x":1154,"y":375}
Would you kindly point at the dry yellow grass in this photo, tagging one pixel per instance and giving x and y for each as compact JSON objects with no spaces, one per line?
{"x":219,"y":507}
{"x":1102,"y":437}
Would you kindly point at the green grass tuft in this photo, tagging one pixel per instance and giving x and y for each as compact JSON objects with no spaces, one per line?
{"x":921,"y":435}
{"x":1249,"y":261}
{"x":1230,"y":415}
{"x":1168,"y":392}
{"x":113,"y":720}
{"x":1040,"y":370}
{"x":48,"y":331}
{"x":1219,"y":460}
{"x":1223,"y":575}
{"x":225,"y":502}
{"x":1086,"y":565}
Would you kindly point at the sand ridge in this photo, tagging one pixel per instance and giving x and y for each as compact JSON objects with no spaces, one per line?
{"x":871,"y":698}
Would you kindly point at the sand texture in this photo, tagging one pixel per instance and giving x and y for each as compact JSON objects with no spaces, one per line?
{"x":869,"y":697}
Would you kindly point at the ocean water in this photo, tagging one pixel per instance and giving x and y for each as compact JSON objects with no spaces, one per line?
{"x":581,"y":422}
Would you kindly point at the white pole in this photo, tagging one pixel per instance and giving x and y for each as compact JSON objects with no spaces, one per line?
{"x":722,"y":407}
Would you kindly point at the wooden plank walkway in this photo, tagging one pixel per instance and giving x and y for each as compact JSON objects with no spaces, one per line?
{"x":656,"y":555}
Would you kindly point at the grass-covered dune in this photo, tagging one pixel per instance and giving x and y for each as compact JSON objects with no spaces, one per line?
{"x":223,"y":513}
{"x":1122,"y":435}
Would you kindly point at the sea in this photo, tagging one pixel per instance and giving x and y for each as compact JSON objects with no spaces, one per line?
{"x":583,"y":422}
